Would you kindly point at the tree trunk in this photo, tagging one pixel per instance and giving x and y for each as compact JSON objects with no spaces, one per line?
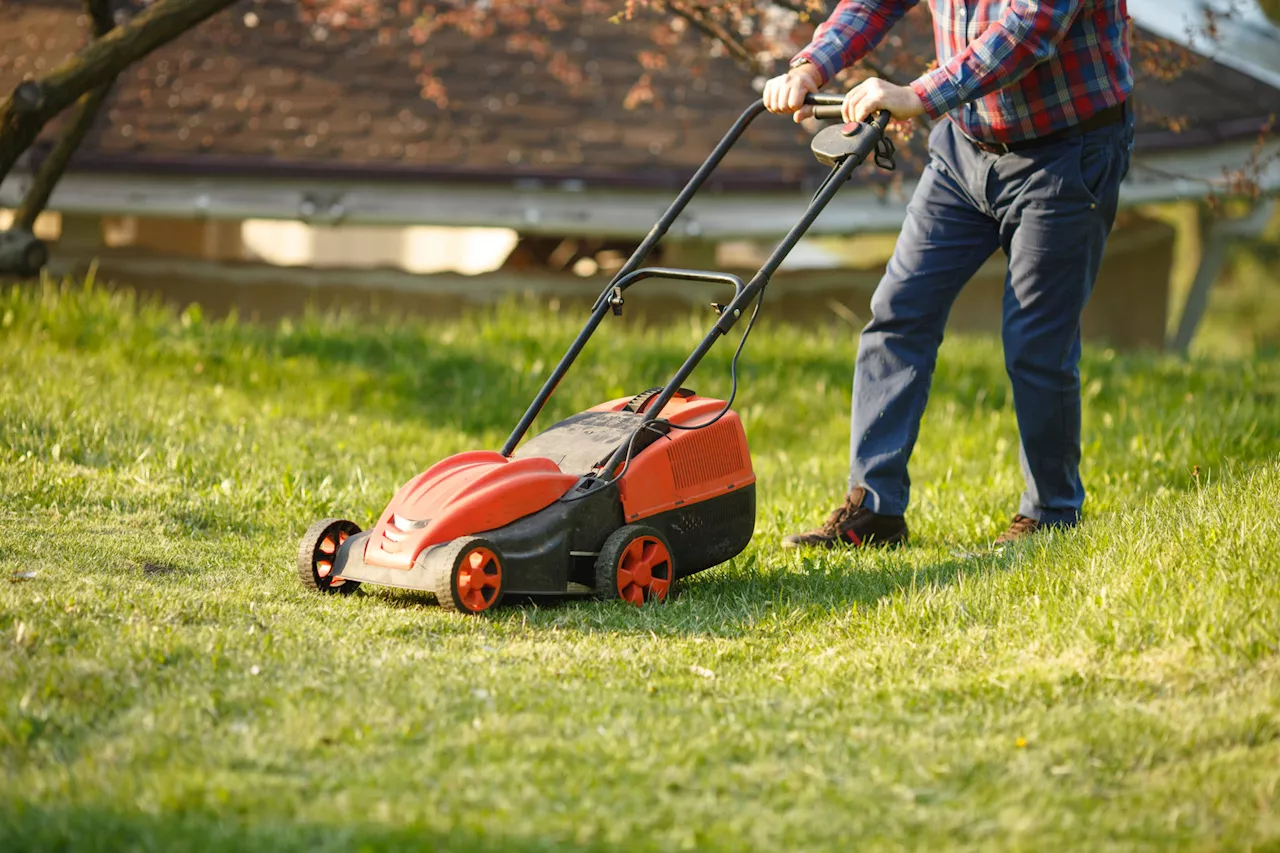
{"x":51,"y":170}
{"x":34,"y":102}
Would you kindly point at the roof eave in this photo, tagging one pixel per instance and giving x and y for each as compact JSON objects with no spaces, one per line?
{"x":785,"y":178}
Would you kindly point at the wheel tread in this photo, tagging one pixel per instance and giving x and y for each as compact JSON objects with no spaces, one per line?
{"x":306,"y":552}
{"x":441,"y":568}
{"x":611,"y":554}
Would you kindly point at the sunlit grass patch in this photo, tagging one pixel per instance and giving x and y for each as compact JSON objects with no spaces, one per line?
{"x":165,"y":683}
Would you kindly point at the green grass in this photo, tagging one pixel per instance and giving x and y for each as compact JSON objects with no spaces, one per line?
{"x":165,"y":684}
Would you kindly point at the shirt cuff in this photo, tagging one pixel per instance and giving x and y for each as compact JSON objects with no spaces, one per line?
{"x":937,"y":92}
{"x":821,"y":59}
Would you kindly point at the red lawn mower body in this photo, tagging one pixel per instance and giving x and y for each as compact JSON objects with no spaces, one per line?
{"x":538,"y":521}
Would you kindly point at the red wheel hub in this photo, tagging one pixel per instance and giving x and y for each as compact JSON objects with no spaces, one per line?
{"x":479,"y":579}
{"x":329,"y":546}
{"x":644,"y":570}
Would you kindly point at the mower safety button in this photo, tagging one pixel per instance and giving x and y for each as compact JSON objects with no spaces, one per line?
{"x":853,"y":128}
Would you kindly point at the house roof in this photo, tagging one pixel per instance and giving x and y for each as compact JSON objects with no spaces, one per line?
{"x":1244,"y":37}
{"x":254,"y":91}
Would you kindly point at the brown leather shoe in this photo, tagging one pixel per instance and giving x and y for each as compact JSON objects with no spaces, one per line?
{"x":852,"y":525}
{"x":1020,"y":528}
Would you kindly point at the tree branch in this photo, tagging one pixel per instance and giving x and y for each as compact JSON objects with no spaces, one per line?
{"x":101,"y":60}
{"x":713,"y":29}
{"x":51,"y":170}
{"x":802,"y":7}
{"x":53,"y":166}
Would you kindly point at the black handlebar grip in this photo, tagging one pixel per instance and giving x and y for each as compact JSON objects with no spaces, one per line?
{"x":827,"y":111}
{"x":824,"y":99}
{"x":826,"y":105}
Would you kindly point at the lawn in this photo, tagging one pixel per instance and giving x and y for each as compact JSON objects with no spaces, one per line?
{"x":166,"y":684}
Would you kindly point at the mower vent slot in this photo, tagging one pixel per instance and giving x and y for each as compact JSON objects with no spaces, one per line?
{"x":706,"y":455}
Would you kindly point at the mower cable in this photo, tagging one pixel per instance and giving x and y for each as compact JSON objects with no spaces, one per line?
{"x":733,"y":365}
{"x":631,"y":446}
{"x":733,"y":392}
{"x":733,"y":372}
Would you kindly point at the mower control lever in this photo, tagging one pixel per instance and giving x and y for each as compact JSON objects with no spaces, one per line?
{"x":614,"y":295}
{"x":678,"y":274}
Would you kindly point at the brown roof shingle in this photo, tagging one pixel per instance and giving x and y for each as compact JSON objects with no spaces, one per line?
{"x":228,"y":98}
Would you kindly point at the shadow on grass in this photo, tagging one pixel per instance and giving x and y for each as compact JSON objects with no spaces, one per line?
{"x":33,"y":826}
{"x":735,"y":600}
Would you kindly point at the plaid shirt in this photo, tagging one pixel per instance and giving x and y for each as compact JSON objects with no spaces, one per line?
{"x":1007,"y":69}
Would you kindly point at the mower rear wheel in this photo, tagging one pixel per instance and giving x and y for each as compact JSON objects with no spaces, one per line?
{"x":316,"y":553}
{"x":635,"y":565}
{"x":466,"y":575}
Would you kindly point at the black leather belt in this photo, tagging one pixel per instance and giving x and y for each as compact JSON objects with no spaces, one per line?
{"x":1097,"y":121}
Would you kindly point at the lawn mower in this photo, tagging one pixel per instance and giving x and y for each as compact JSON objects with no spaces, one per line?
{"x":617,"y":502}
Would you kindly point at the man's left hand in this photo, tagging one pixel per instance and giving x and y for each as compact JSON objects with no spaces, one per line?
{"x":873,"y":94}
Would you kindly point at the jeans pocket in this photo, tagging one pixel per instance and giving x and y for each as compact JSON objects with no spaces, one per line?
{"x":1099,"y":159}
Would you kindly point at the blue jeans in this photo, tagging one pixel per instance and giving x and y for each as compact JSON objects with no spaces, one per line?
{"x":1050,"y":209}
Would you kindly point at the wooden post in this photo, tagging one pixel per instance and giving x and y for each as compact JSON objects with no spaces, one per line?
{"x":1214,"y":241}
{"x":1217,"y":234}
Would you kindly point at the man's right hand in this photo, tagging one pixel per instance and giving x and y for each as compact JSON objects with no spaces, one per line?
{"x":786,"y":93}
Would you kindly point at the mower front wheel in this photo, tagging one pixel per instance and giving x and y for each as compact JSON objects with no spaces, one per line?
{"x":465,"y":575}
{"x":316,"y":553}
{"x":635,"y":565}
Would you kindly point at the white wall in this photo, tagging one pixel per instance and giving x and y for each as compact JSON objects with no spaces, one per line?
{"x":415,"y":249}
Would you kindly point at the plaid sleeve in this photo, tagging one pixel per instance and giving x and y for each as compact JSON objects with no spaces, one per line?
{"x":854,"y":28}
{"x":1027,"y":34}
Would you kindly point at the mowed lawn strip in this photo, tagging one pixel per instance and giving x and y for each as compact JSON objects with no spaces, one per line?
{"x":165,"y":683}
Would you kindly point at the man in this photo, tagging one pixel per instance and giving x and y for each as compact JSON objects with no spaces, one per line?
{"x":1032,"y":138}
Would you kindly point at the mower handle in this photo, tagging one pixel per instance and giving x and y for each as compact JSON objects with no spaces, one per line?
{"x":829,"y":104}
